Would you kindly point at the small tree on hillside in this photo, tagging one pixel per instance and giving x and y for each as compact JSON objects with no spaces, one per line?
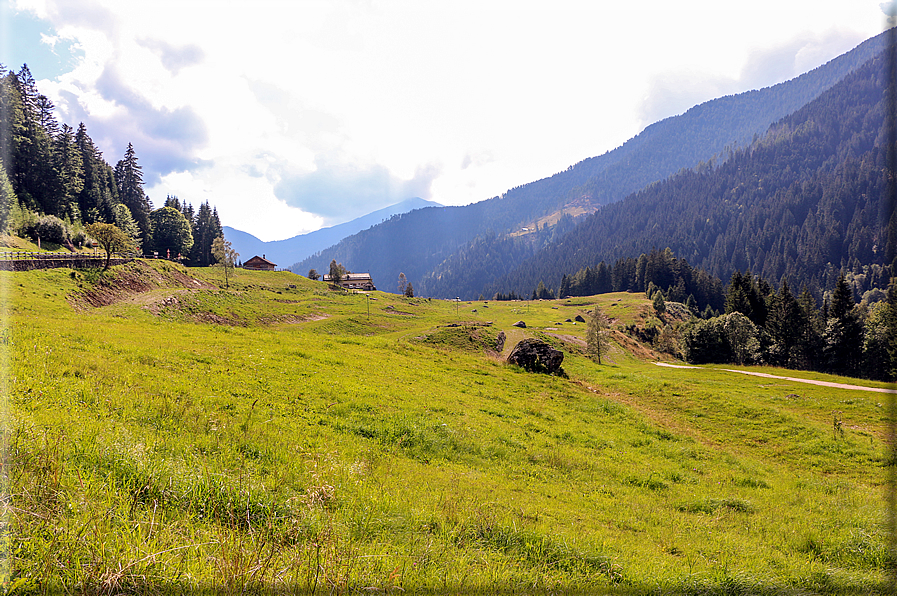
{"x":111,"y":239}
{"x":660,"y":306}
{"x":597,"y":335}
{"x":313,"y":275}
{"x":225,"y":256}
{"x":337,"y":271}
{"x":403,"y":282}
{"x":409,"y":291}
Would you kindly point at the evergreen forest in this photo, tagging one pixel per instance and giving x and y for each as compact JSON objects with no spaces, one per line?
{"x":54,"y":181}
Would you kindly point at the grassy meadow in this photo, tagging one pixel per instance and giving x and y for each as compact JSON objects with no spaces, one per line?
{"x":278,"y":436}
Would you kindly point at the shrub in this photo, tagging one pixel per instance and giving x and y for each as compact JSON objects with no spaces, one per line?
{"x":80,"y":238}
{"x":23,"y":222}
{"x":51,"y":229}
{"x":705,"y":341}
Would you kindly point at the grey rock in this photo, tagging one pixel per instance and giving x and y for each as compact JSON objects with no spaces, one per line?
{"x":536,"y":355}
{"x":579,"y":319}
{"x":520,"y":324}
{"x":500,"y":342}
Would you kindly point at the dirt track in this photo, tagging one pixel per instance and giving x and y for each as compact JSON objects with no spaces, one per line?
{"x":796,"y":380}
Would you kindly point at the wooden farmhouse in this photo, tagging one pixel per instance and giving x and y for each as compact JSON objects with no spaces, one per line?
{"x":355,"y":281}
{"x":259,"y":263}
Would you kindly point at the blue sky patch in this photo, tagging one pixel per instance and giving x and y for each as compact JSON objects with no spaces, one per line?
{"x":20,"y":43}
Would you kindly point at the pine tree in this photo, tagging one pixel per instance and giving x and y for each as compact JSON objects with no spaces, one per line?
{"x":564,"y":289}
{"x":784,"y":324}
{"x":843,"y":334}
{"x":809,"y":341}
{"x":34,"y":178}
{"x":129,"y":180}
{"x":121,"y":217}
{"x":206,"y":227}
{"x":95,"y":199}
{"x":70,"y":167}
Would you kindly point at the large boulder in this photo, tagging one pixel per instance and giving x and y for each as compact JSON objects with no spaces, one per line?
{"x":520,"y":324}
{"x":580,"y":319}
{"x":536,"y":355}
{"x":500,"y":342}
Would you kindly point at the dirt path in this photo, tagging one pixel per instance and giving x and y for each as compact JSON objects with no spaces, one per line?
{"x":796,"y":380}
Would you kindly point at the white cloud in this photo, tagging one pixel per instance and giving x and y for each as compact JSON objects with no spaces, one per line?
{"x":675,"y":91}
{"x":339,"y":190}
{"x":290,"y":115}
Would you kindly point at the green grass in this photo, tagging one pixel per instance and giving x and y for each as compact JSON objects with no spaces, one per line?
{"x":276,"y":436}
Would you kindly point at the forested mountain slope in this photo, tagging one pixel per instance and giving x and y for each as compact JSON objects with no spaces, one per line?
{"x":802,"y":202}
{"x":418,"y":243}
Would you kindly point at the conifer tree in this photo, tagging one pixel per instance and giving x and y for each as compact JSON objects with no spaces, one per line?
{"x":784,"y":324}
{"x":206,"y":227}
{"x":129,"y":180}
{"x":69,"y":166}
{"x":95,"y":200}
{"x":121,"y":217}
{"x":843,"y":332}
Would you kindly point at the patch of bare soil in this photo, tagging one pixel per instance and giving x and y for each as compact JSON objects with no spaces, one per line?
{"x":570,"y":339}
{"x":291,"y":319}
{"x":393,"y":310}
{"x":637,"y":349}
{"x":133,"y":279}
{"x":155,"y":303}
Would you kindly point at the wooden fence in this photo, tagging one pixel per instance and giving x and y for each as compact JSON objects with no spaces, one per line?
{"x":28,"y":261}
{"x":21,"y":255}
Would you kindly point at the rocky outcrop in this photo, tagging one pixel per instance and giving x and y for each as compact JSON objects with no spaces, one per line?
{"x":520,"y":324}
{"x":536,"y":355}
{"x":500,"y":342}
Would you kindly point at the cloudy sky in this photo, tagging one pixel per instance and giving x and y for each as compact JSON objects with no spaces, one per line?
{"x":293,"y":115}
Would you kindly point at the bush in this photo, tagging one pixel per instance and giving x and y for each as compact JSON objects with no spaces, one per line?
{"x":705,"y":341}
{"x":727,"y":338}
{"x":80,"y":238}
{"x":23,"y":222}
{"x":51,"y":229}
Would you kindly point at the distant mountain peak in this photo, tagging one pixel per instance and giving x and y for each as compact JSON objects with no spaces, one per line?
{"x":292,"y":250}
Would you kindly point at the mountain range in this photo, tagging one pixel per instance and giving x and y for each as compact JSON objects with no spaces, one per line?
{"x":289,"y":251}
{"x":804,"y":203}
{"x":476,"y":249}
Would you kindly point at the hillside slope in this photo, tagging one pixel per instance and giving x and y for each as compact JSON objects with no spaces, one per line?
{"x":803,"y":202}
{"x":417,"y":243}
{"x":280,"y":437}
